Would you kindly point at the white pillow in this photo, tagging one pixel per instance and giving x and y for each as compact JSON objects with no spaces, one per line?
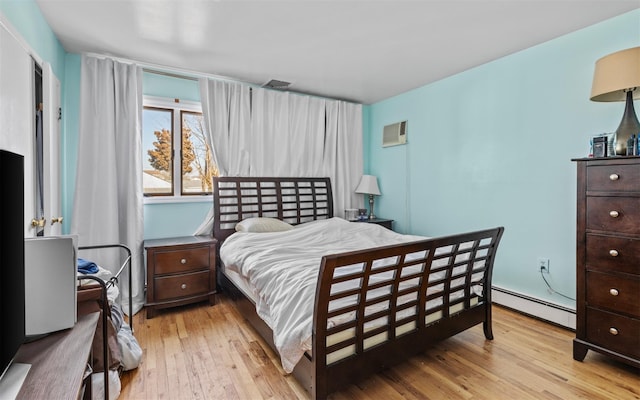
{"x":262,"y":224}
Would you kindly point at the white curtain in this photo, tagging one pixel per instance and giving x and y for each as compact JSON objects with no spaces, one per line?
{"x":226,"y":111}
{"x":108,"y":196}
{"x":260,"y":132}
{"x":343,"y":161}
{"x":287,"y":131}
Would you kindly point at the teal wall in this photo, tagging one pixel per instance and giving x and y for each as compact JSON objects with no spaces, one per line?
{"x":26,"y":18}
{"x":493,"y":146}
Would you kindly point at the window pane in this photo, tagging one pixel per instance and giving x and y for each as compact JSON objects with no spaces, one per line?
{"x":157,"y":153}
{"x":197,"y":167}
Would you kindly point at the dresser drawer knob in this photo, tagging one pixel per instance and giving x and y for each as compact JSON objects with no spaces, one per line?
{"x":613,"y":331}
{"x":614,"y":214}
{"x":613,"y":253}
{"x":183,"y":286}
{"x":614,"y":177}
{"x":183,"y":261}
{"x":614,"y":292}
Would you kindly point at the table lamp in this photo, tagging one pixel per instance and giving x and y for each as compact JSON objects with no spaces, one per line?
{"x":617,"y":78}
{"x":369,"y":185}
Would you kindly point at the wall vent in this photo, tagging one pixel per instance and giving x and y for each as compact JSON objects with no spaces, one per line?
{"x":276,"y":84}
{"x":394,"y":134}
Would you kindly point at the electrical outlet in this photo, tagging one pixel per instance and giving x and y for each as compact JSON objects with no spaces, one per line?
{"x":543,"y":265}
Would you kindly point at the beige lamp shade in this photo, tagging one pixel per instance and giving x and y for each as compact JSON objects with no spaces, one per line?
{"x":615,"y":74}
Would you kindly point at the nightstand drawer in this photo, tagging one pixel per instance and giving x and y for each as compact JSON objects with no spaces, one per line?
{"x":614,"y":214}
{"x":617,"y":178}
{"x":614,"y":332}
{"x":613,"y":293}
{"x":615,"y":254}
{"x":182,"y":260}
{"x":185,"y":285}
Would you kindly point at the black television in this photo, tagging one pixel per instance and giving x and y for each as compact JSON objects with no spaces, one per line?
{"x":12,"y":272}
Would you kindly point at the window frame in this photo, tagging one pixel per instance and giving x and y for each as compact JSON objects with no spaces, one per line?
{"x":176,"y":106}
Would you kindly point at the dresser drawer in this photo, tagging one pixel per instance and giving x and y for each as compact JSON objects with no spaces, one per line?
{"x":619,"y":178}
{"x":614,"y":214}
{"x":181,"y":260}
{"x":608,"y":253}
{"x":185,"y":285}
{"x":611,"y":292}
{"x":602,"y":325}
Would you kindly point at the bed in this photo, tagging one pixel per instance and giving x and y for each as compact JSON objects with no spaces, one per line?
{"x":370,"y":307}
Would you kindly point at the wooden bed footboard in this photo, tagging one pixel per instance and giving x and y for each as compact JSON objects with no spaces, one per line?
{"x":375,"y":308}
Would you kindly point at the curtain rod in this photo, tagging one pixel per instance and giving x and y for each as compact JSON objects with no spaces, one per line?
{"x":170,"y":71}
{"x":195,"y":75}
{"x":171,"y":74}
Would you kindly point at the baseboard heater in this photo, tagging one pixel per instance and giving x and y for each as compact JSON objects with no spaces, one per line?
{"x":535,"y":307}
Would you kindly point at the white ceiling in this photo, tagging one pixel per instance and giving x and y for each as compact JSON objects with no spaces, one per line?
{"x":362,"y":51}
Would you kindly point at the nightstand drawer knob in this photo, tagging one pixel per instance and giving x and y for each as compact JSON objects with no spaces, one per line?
{"x":183,"y":286}
{"x":614,"y":292}
{"x":613,"y":331}
{"x":614,"y":214}
{"x":613,"y":253}
{"x":614,"y":177}
{"x":183,"y":261}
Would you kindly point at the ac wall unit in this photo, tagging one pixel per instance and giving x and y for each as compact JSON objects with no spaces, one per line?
{"x":394,"y":134}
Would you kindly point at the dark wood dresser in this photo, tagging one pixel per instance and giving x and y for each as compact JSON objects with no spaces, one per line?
{"x":608,"y":258}
{"x":180,"y":271}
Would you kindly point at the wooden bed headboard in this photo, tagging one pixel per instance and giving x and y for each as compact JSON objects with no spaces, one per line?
{"x":293,"y":200}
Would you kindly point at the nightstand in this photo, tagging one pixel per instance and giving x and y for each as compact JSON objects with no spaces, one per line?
{"x":387,"y":223}
{"x":180,"y":271}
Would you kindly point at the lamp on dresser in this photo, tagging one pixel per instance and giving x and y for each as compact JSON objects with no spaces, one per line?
{"x":617,"y":78}
{"x":369,"y":185}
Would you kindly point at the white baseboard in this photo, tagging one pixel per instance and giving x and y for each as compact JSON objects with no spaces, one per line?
{"x":555,"y":313}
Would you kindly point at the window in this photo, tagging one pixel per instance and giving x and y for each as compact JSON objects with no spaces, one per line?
{"x":168,"y":126}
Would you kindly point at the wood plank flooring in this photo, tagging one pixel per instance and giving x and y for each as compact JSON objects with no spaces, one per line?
{"x":210,"y":352}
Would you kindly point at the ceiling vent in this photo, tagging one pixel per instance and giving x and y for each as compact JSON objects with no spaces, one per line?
{"x":394,"y":134}
{"x":276,"y":84}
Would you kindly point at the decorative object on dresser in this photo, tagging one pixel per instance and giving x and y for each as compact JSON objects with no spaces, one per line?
{"x":180,"y":271}
{"x":617,"y":78}
{"x":387,"y":223}
{"x":608,"y":259}
{"x":369,"y":185}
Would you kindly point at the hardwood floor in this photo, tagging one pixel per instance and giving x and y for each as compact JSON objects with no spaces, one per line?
{"x":210,"y":352}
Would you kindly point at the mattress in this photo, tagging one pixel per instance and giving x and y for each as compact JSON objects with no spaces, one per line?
{"x":274,"y":263}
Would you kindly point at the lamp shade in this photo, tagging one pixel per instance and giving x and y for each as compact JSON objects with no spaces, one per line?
{"x":616,"y":73}
{"x":368,"y":185}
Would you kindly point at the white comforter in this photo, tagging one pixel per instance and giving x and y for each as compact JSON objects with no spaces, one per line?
{"x":282,"y":269}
